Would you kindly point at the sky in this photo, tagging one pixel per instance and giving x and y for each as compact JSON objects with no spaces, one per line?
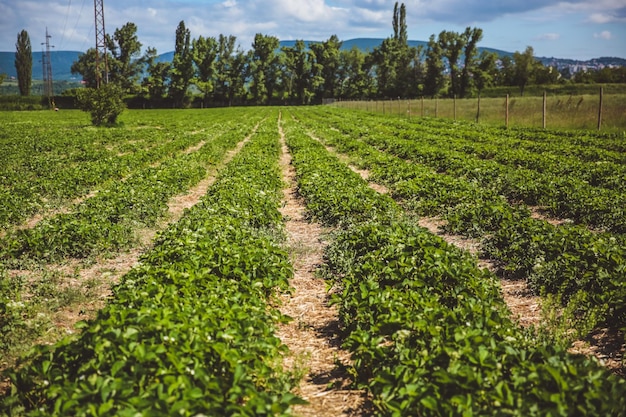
{"x":574,"y":29}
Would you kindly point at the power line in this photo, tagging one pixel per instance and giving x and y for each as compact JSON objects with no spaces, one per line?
{"x":67,"y":15}
{"x":80,"y":13}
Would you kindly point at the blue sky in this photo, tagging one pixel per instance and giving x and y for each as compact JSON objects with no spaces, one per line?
{"x":577,"y":29}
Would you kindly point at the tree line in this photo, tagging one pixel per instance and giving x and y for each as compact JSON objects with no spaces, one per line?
{"x":217,"y":71}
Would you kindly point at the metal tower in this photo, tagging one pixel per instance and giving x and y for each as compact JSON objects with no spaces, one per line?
{"x":48,"y":91}
{"x":102,"y":68}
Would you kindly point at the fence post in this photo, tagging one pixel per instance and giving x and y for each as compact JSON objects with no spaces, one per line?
{"x":545,"y":98}
{"x":506,"y":117}
{"x":600,"y":108}
{"x":478,"y":109}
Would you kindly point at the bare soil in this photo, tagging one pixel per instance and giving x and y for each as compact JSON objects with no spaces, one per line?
{"x":312,"y":336}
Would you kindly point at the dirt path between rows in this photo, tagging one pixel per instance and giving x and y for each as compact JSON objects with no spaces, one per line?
{"x":35,"y":219}
{"x":605,"y":344}
{"x":117,"y":267}
{"x":102,"y":274}
{"x":312,"y":336}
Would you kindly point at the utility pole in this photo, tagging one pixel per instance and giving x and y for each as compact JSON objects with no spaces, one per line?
{"x":48,"y":90}
{"x":102,"y":67}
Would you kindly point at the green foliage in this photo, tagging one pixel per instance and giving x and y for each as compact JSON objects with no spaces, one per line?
{"x":428,"y":330}
{"x":182,"y":70}
{"x":190,"y":330}
{"x":476,"y":179}
{"x":264,"y":68}
{"x":104,"y":104}
{"x":125,"y":65}
{"x":86,"y":67}
{"x":24,"y":62}
{"x":158,"y":75}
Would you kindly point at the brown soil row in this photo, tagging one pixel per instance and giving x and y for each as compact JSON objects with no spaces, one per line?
{"x":312,"y":336}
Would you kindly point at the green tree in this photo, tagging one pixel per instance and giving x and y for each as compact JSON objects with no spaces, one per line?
{"x":356,"y":79}
{"x":125,"y":66}
{"x":506,"y":74}
{"x":327,"y":67}
{"x":434,"y":80}
{"x":225,"y":51}
{"x":238,"y":76}
{"x":486,"y":70}
{"x":397,"y":66}
{"x":524,"y":66}
{"x":204,"y":55}
{"x":86,"y":67}
{"x":264,"y":68}
{"x":472,"y":36}
{"x":231,"y":71}
{"x":298,"y":76}
{"x":399,"y":24}
{"x":385,"y":58}
{"x":182,"y":66}
{"x":158,"y":74}
{"x":24,"y":62}
{"x":451,"y":45}
{"x":546,"y":74}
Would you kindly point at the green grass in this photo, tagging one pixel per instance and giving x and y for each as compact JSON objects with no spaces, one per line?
{"x":562,"y":111}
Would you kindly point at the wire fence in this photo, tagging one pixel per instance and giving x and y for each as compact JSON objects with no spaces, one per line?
{"x":605,"y":112}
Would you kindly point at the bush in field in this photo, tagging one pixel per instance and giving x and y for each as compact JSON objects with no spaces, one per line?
{"x":104,"y":104}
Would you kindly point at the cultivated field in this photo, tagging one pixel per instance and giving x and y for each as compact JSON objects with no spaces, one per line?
{"x":309,"y":261}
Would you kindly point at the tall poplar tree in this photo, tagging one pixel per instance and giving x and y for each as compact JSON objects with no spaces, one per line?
{"x":182,"y":65}
{"x":24,"y":63}
{"x":395,"y":62}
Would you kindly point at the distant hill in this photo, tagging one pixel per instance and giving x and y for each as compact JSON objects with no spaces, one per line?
{"x":62,"y":60}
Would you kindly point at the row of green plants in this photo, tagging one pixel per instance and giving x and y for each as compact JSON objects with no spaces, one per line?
{"x":190,"y":331}
{"x":35,"y":301}
{"x":581,"y":269}
{"x":45,"y":163}
{"x":428,"y":330}
{"x":565,"y":192}
{"x":107,"y":221}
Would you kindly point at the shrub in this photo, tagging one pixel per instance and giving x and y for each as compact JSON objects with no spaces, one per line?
{"x":104,"y":104}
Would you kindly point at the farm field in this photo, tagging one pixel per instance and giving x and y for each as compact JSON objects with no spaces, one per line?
{"x":158,"y":267}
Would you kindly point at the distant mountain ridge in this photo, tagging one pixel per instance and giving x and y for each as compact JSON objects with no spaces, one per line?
{"x":62,"y":60}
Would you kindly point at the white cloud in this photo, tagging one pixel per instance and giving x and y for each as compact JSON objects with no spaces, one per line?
{"x":547,"y":37}
{"x":302,"y":10}
{"x":605,"y":34}
{"x":600,"y":18}
{"x":508,"y":25}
